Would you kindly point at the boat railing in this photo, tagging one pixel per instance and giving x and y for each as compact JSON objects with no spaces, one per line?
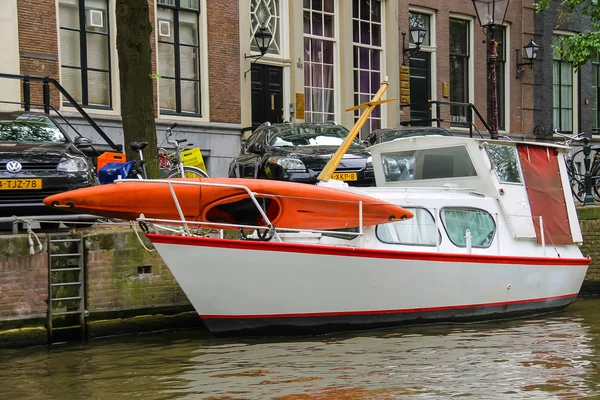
{"x":268,"y":228}
{"x":268,"y":231}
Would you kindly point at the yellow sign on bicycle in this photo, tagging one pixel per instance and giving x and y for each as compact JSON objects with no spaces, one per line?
{"x":193,"y":158}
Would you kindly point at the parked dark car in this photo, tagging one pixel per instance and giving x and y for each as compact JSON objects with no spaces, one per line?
{"x":37,"y":159}
{"x":298,"y":153}
{"x":388,"y":134}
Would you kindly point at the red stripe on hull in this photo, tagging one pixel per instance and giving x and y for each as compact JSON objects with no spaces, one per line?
{"x":322,"y":324}
{"x":402,"y":311}
{"x":364,"y":253}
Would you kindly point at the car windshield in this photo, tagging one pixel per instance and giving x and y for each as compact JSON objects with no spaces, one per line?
{"x":30,"y":129}
{"x":387,"y":136}
{"x":295,"y":136}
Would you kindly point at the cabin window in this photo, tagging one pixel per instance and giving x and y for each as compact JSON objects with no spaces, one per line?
{"x":505,"y":163}
{"x":480,"y":223}
{"x":421,"y":164}
{"x":417,"y":231}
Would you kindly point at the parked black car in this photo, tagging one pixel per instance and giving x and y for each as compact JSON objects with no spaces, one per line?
{"x":38,"y":159}
{"x":298,"y":153}
{"x":388,"y":134}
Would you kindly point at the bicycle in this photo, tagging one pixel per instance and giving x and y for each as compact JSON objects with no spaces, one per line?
{"x":576,"y":178}
{"x":172,"y":163}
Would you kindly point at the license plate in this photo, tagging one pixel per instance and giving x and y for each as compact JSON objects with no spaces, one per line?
{"x":16,"y":184}
{"x":344,"y":176}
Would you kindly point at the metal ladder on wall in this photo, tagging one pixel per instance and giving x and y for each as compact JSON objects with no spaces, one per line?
{"x":66,"y":286}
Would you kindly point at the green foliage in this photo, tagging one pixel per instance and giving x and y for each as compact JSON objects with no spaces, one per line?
{"x":577,"y":49}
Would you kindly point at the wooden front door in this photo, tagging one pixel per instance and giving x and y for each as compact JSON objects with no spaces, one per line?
{"x":267,"y":94}
{"x":420,"y":89}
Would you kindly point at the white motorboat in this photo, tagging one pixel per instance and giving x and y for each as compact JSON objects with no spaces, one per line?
{"x":495,"y":234}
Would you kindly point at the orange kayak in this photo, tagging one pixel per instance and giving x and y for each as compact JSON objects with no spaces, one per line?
{"x":287,"y":204}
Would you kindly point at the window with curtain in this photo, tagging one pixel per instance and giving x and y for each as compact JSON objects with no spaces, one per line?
{"x":85,"y":51}
{"x":179,"y":56}
{"x":319,"y":60}
{"x":367,"y":55}
{"x":500,"y":38}
{"x":266,"y":13}
{"x":596,"y":92}
{"x":367,"y":27}
{"x":459,"y":72}
{"x":562,"y":89}
{"x":480,"y":223}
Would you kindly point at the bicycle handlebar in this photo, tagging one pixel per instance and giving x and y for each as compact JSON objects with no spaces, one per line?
{"x":569,"y":138}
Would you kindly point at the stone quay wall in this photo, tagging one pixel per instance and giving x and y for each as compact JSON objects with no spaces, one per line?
{"x":122,"y":279}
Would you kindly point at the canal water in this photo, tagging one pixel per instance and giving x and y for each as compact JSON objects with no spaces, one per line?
{"x":556,"y":356}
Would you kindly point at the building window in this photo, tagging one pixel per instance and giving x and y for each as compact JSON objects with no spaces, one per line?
{"x":499,"y":37}
{"x":596,"y":92}
{"x":459,"y":72}
{"x":85,"y":51}
{"x":319,"y":63}
{"x":562,"y":89}
{"x":367,"y":55}
{"x":266,"y":13}
{"x":179,"y":56}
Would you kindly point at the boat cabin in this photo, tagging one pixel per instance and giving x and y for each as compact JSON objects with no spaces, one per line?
{"x":499,"y":193}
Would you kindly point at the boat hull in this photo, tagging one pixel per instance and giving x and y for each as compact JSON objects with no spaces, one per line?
{"x":246,"y":287}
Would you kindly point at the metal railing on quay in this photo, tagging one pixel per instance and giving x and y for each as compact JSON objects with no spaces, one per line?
{"x":47,"y":106}
{"x":27,"y":220}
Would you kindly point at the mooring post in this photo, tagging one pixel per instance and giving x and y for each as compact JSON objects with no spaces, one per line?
{"x":46,"y":94}
{"x":587,"y":149}
{"x":26,"y":93}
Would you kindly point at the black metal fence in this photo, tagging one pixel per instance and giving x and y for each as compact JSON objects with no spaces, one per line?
{"x":46,"y":82}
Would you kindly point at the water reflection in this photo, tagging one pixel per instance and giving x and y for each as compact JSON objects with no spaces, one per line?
{"x":545,"y":358}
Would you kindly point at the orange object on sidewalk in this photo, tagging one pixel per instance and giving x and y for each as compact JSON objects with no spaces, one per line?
{"x":107,"y":157}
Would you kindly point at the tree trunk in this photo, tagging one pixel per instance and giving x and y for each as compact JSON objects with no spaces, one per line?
{"x":135,"y":69}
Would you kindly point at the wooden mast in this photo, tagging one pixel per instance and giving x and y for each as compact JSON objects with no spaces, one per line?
{"x":369,"y":106}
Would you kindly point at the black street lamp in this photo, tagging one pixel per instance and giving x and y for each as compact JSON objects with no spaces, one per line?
{"x":491,"y":13}
{"x":262,"y":38}
{"x":531,"y":52}
{"x":417,"y":34}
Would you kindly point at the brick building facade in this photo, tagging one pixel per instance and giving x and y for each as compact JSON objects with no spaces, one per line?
{"x":325,"y":56}
{"x":199,"y":89}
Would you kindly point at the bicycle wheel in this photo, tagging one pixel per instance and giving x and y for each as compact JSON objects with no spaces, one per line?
{"x":578,"y":189}
{"x":596,"y":182}
{"x":190,"y":172}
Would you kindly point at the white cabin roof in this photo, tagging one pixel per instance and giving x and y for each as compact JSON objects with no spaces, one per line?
{"x":441,"y":164}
